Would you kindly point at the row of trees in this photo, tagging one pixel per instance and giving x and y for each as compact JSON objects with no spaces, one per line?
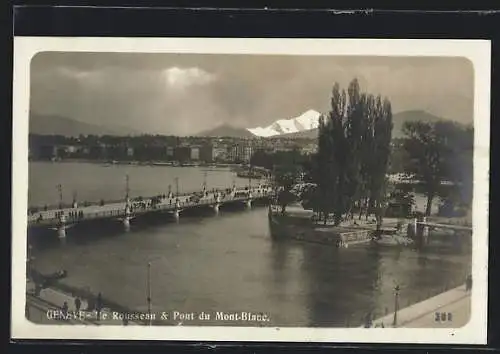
{"x":353,"y":154}
{"x":440,"y":158}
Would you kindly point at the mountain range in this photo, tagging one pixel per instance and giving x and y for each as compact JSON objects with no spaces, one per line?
{"x":306,"y":126}
{"x":302,"y":126}
{"x":308,"y":120}
{"x":57,"y":125}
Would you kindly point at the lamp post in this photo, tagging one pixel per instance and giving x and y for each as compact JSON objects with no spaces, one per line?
{"x":59,"y":189}
{"x":149,"y":292}
{"x":127,"y":187}
{"x":396,"y":305}
{"x":250,"y":177}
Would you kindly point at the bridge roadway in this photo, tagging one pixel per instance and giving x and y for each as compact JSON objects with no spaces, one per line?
{"x":119,"y":210}
{"x":445,"y":226}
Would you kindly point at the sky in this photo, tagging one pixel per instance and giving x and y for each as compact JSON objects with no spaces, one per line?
{"x":184,"y":94}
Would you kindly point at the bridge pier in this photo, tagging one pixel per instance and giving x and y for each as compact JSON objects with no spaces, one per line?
{"x":177,"y":211}
{"x":61,"y":232}
{"x":425,"y":229}
{"x":61,"y":228}
{"x":126,"y":223}
{"x":127,"y":217}
{"x":217,"y":204}
{"x":411,"y":231}
{"x":422,"y":232}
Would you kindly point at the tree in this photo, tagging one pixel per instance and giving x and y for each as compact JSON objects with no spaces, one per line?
{"x":355,"y":126}
{"x":460,"y":163}
{"x":332,"y":158}
{"x":438,"y":152}
{"x":382,"y":135}
{"x":285,"y":197}
{"x":402,"y":198}
{"x":286,"y":175}
{"x":353,"y":152}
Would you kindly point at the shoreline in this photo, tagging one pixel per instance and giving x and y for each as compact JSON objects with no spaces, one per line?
{"x":159,"y":163}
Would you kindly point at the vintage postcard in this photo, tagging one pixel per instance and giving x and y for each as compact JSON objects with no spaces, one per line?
{"x":251,"y":189}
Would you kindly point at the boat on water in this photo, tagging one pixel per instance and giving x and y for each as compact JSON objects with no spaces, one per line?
{"x":162,"y":163}
{"x":189,"y":164}
{"x":249,"y":174}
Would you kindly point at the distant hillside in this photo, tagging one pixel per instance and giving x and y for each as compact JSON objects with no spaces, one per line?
{"x":400,"y":118}
{"x":227,"y":130}
{"x":57,"y":125}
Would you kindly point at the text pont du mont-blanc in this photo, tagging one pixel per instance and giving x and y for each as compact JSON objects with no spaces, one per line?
{"x":176,"y":316}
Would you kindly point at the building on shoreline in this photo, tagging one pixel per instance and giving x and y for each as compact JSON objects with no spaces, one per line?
{"x":160,"y":148}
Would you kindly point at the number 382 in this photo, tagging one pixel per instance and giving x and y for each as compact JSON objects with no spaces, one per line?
{"x":443,"y":316}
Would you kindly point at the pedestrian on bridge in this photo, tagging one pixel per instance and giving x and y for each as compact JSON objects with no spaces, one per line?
{"x":65,"y":308}
{"x":368,"y":320}
{"x":99,"y":306}
{"x":78,"y":304}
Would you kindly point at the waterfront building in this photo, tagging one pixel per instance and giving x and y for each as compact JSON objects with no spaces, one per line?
{"x":220,"y":153}
{"x":195,"y":153}
{"x":182,"y":153}
{"x":247,"y":153}
{"x":240,"y":152}
{"x":207,"y":153}
{"x":170,"y":152}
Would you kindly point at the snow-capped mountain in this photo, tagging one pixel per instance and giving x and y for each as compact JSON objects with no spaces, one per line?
{"x":306,"y":121}
{"x":306,"y":126}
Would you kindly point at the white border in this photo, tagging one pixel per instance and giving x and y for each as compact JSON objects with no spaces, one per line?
{"x":477,"y":51}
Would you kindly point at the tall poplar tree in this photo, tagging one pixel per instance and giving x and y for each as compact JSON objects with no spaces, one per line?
{"x":353,"y":151}
{"x":382,"y":135}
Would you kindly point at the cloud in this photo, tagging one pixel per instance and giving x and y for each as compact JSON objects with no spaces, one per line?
{"x":182,"y":78}
{"x":183,"y":94}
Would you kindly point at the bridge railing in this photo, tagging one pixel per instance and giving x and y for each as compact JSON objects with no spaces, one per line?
{"x":51,"y":219}
{"x":67,"y":206}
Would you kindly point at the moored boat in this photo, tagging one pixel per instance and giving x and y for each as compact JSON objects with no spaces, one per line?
{"x":249,"y":174}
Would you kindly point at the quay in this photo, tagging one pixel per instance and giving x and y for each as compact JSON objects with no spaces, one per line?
{"x":62,"y":219}
{"x":47,"y":308}
{"x":450,"y":309}
{"x":300,"y":224}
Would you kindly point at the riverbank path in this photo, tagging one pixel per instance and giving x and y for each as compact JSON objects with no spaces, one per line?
{"x":53,"y":299}
{"x":450,"y":309}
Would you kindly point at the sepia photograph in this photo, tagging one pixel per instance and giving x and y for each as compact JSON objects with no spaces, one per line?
{"x":211,"y":189}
